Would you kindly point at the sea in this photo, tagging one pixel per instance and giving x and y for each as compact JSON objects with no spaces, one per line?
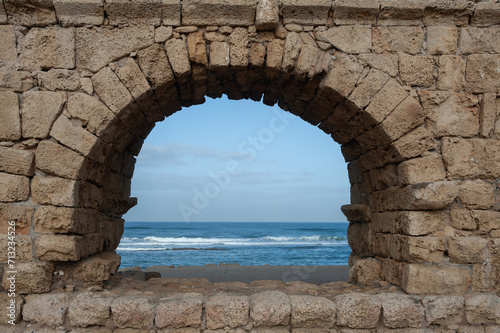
{"x":177,"y":244}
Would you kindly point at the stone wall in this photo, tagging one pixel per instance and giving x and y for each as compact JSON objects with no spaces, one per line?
{"x":408,"y":88}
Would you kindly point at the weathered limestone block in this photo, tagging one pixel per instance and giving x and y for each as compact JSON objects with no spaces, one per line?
{"x":307,"y":62}
{"x":442,"y":40}
{"x":487,"y":114}
{"x":31,"y":277}
{"x":387,"y":63}
{"x":486,"y":14}
{"x":112,"y":91}
{"x":13,"y":187}
{"x":397,"y":13}
{"x":3,"y":14}
{"x":79,"y":13}
{"x":343,"y":76}
{"x":19,"y":162}
{"x":423,"y":249}
{"x":468,"y":250}
{"x":357,"y":213}
{"x":163,"y":33}
{"x":61,"y":247}
{"x":24,"y":251}
{"x":226,"y":310}
{"x":451,"y":73}
{"x":89,"y":309}
{"x":30,"y":13}
{"x":291,"y":51}
{"x":267,"y":15}
{"x":133,"y":312}
{"x":314,"y":12}
{"x":494,"y":249}
{"x":364,"y":92}
{"x":422,"y":170}
{"x":462,"y":219}
{"x":56,"y":159}
{"x":219,"y":12}
{"x":479,"y":40}
{"x":21,"y":214}
{"x":270,"y":308}
{"x":401,"y":311}
{"x":482,"y":308}
{"x":312,"y":312}
{"x":47,"y":48}
{"x":473,"y":158}
{"x":481,"y":74}
{"x":179,"y":58}
{"x":448,"y":13}
{"x":451,"y":280}
{"x":10,"y":126}
{"x":96,"y":47}
{"x":59,"y":79}
{"x":417,"y":70}
{"x":139,"y":12}
{"x":397,"y":39}
{"x":64,"y":192}
{"x":40,"y":110}
{"x":275,"y":55}
{"x":219,"y":56}
{"x":47,"y":309}
{"x":348,"y":38}
{"x":183,"y":310}
{"x":385,"y":100}
{"x":12,"y":311}
{"x":476,"y":194}
{"x":443,"y":310}
{"x":61,"y":220}
{"x":113,"y":231}
{"x":407,"y":115}
{"x":171,"y":12}
{"x":358,"y":310}
{"x":365,"y":271}
{"x":95,"y":269}
{"x":239,"y":51}
{"x":8,"y":53}
{"x":197,"y":48}
{"x":257,"y":56}
{"x":359,"y":12}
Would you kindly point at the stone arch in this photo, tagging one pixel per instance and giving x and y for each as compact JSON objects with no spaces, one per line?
{"x":422,"y":165}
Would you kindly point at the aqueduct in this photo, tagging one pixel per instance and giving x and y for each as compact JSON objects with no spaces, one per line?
{"x":408,"y":88}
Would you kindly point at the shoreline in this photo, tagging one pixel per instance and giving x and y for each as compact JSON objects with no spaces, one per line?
{"x":246,"y":274}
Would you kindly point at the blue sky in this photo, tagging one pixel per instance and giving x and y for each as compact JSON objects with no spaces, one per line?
{"x":238,"y":161}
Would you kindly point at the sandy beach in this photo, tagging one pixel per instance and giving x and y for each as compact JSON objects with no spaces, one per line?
{"x":246,"y":274}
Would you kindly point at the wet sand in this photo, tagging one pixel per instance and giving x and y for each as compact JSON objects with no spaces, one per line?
{"x":246,"y":274}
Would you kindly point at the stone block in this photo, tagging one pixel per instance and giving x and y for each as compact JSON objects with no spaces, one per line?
{"x":133,"y":312}
{"x":112,"y":91}
{"x":307,"y":62}
{"x":396,"y":39}
{"x":270,"y":308}
{"x":8,"y":54}
{"x":396,"y":13}
{"x":47,"y":309}
{"x":163,"y":33}
{"x":417,"y":70}
{"x":442,"y":40}
{"x":451,"y":73}
{"x":267,"y":15}
{"x":39,"y":112}
{"x":13,"y":187}
{"x":98,"y":46}
{"x":20,"y":214}
{"x":31,"y":277}
{"x":462,"y":219}
{"x":30,"y":13}
{"x":3,"y":14}
{"x":226,"y":311}
{"x":274,"y":56}
{"x":12,"y":310}
{"x":23,"y":249}
{"x":358,"y":311}
{"x":494,"y":249}
{"x":405,"y":117}
{"x":422,"y":279}
{"x":476,"y":194}
{"x":291,"y":52}
{"x":468,"y":250}
{"x":95,"y":269}
{"x":184,"y":310}
{"x":89,"y":309}
{"x":401,"y":311}
{"x":59,"y":247}
{"x":179,"y":58}
{"x":257,"y":56}
{"x":219,"y":12}
{"x":197,"y":48}
{"x":365,"y":271}
{"x":364,"y":92}
{"x":16,"y":161}
{"x":79,"y":13}
{"x":312,"y":312}
{"x":139,"y":12}
{"x":487,"y":114}
{"x":386,"y":100}
{"x":473,"y":158}
{"x":219,"y":56}
{"x":59,"y":79}
{"x":171,"y":12}
{"x":10,"y":127}
{"x":358,"y":12}
{"x":343,"y":76}
{"x":443,"y":310}
{"x":348,"y":38}
{"x":313,"y":12}
{"x":61,"y":220}
{"x":422,"y":170}
{"x":448,"y":13}
{"x":239,"y":51}
{"x":482,"y":309}
{"x":56,"y":159}
{"x":486,"y":14}
{"x":479,"y":40}
{"x":481,"y":74}
{"x":357,"y":213}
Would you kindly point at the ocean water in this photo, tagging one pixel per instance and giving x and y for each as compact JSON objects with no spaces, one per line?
{"x":196,"y":244}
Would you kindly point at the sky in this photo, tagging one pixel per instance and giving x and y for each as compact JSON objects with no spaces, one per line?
{"x":238,"y":161}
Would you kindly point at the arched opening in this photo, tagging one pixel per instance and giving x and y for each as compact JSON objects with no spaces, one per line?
{"x":277,"y":204}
